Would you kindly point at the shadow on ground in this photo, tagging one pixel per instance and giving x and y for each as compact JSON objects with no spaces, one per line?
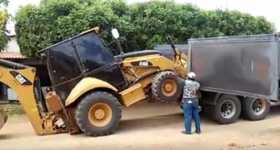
{"x":171,"y":120}
{"x":162,"y":121}
{"x":274,"y":111}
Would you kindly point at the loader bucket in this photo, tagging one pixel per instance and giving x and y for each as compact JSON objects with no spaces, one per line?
{"x":3,"y":118}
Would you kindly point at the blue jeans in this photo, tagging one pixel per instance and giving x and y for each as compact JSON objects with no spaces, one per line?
{"x":191,"y":111}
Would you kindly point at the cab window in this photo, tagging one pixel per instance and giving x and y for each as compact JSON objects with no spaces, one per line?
{"x":92,"y":52}
{"x":63,"y":63}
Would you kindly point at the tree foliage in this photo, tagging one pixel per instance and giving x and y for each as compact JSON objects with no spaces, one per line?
{"x":3,"y":21}
{"x":4,"y":2}
{"x":3,"y":36}
{"x":142,"y":25}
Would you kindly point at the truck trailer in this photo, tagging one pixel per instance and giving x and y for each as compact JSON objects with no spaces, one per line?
{"x":239,"y":75}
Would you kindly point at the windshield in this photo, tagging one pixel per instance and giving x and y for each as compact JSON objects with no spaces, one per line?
{"x":92,"y":51}
{"x":108,"y":42}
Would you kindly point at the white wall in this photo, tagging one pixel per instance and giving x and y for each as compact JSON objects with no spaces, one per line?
{"x":12,"y":46}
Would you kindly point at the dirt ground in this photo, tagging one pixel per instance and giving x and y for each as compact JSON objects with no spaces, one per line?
{"x":152,"y":126}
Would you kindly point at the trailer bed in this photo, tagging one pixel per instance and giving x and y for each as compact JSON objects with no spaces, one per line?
{"x":239,"y":65}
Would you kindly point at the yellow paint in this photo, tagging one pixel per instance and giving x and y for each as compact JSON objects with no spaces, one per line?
{"x":133,"y":94}
{"x":100,"y":114}
{"x":138,"y":91}
{"x":86,"y":85}
{"x":159,"y":63}
{"x":26,"y":97}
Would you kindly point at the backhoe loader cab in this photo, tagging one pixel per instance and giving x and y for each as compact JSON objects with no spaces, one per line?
{"x":82,"y":56}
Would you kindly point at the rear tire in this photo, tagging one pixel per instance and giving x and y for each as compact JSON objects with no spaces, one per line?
{"x":255,"y":109}
{"x":227,"y":109}
{"x":166,"y":87}
{"x":98,"y":114}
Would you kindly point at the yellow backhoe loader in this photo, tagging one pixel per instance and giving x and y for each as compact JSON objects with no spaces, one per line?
{"x":90,"y":85}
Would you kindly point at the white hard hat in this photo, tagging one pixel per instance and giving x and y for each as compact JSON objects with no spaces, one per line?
{"x":191,"y":75}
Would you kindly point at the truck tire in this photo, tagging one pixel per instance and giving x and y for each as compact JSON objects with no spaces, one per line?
{"x":98,"y":114}
{"x":166,"y":87}
{"x":227,"y":109}
{"x":255,"y":109}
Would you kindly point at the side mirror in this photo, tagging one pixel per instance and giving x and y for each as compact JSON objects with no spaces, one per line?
{"x":115,"y":33}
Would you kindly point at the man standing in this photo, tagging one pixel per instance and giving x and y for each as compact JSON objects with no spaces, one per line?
{"x":190,"y":103}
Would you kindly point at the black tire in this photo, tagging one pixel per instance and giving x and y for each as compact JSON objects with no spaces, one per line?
{"x":160,"y":80}
{"x":227,"y":109}
{"x":255,"y":109}
{"x":88,"y":103}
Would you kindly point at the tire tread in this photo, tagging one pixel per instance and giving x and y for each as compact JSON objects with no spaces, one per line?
{"x":155,"y":88}
{"x":87,"y":100}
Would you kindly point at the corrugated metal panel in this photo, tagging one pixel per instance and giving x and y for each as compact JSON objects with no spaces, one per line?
{"x":241,"y":65}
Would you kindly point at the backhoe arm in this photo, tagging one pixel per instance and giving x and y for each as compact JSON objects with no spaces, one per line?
{"x":21,"y":79}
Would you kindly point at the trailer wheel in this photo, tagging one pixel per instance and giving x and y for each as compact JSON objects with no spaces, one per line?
{"x":255,"y":109}
{"x":227,"y":109}
{"x":98,"y":114}
{"x":166,"y":87}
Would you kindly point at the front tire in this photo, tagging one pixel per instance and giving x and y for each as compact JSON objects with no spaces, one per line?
{"x":98,"y":114}
{"x":166,"y":87}
{"x":227,"y":109}
{"x":255,"y":109}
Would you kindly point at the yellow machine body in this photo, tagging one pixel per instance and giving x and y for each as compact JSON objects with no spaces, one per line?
{"x":142,"y":69}
{"x":137,"y":73}
{"x":151,"y":64}
{"x":85,"y":85}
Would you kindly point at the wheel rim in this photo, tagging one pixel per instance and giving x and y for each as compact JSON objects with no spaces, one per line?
{"x":100,"y":114}
{"x":169,"y":87}
{"x":258,"y":106}
{"x":228,"y":109}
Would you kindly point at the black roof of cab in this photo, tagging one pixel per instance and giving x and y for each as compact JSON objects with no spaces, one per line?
{"x":66,"y":40}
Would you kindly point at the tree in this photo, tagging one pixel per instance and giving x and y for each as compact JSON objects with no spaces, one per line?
{"x":3,"y":36}
{"x":4,"y":2}
{"x":143,"y":25}
{"x":3,"y":21}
